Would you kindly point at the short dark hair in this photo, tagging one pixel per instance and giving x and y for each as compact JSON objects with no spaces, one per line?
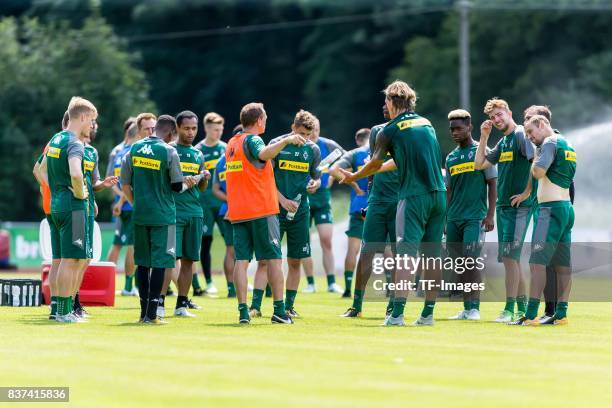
{"x":362,"y":133}
{"x":250,"y":113}
{"x":165,"y":124}
{"x":128,"y":122}
{"x":186,"y":114}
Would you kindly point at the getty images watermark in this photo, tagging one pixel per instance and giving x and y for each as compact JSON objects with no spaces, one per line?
{"x":459,"y":265}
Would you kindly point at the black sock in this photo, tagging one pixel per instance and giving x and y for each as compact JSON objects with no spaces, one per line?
{"x":181,"y":301}
{"x":550,"y":308}
{"x":77,"y":302}
{"x":157,"y":281}
{"x":142,"y":279}
{"x":205,"y":256}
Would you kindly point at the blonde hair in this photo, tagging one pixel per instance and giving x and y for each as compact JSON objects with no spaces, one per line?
{"x":495,"y":103}
{"x":305,"y":119}
{"x":144,"y":116}
{"x":79,"y":106}
{"x":459,"y":114}
{"x":213,"y":118}
{"x":401,"y":95}
{"x":536,"y":120}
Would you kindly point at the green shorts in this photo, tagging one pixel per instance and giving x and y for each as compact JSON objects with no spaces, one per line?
{"x":355,"y":229}
{"x":54,"y":255}
{"x":321,"y":215}
{"x":227,"y":230}
{"x":298,"y":236}
{"x":155,"y":246}
{"x":261,"y":236}
{"x":189,"y":237}
{"x":464,"y":238}
{"x":379,"y":225}
{"x":124,"y":230}
{"x":211,"y":216}
{"x":512,"y":224}
{"x":552,"y":234}
{"x":420,"y":220}
{"x":69,"y":237}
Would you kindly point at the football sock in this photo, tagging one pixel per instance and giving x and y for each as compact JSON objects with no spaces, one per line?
{"x":358,"y":300}
{"x":348,"y":280}
{"x":398,"y":307}
{"x":428,"y":308}
{"x":290,"y":298}
{"x":532,"y":308}
{"x":257,"y":298}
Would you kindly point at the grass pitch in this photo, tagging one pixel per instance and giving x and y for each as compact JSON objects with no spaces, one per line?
{"x":325,"y":360}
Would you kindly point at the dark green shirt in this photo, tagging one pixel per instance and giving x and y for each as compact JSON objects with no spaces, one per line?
{"x":150,"y":168}
{"x":192,"y":163}
{"x":467,"y":185}
{"x":385,"y":186}
{"x":63,"y":146}
{"x":557,"y":156}
{"x":210,"y":155}
{"x":294,"y":167}
{"x":412,"y":142}
{"x":91,"y":173}
{"x":513,"y":155}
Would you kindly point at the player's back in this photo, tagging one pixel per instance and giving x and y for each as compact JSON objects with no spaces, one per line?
{"x":153,"y":197}
{"x":415,"y":149}
{"x":62,"y":146}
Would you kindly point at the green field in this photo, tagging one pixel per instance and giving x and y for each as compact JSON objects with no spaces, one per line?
{"x":322,"y":359}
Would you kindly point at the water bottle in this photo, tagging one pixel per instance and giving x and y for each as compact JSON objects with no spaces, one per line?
{"x":291,"y":214}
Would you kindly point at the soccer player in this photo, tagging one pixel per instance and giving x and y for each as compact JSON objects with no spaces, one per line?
{"x":320,"y":213}
{"x":46,"y":204}
{"x":253,"y":206}
{"x":353,"y":160}
{"x":150,"y":173}
{"x":212,"y":148}
{"x":471,"y":206}
{"x":412,"y":142}
{"x":550,"y":291}
{"x":63,"y":164}
{"x":296,"y":175}
{"x":379,"y":225}
{"x":135,"y":129}
{"x":219,"y":189}
{"x":513,"y":155}
{"x":91,"y":173}
{"x":189,"y":222}
{"x":122,"y":210}
{"x":554,"y":166}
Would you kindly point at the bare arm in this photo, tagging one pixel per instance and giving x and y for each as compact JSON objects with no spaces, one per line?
{"x":128,"y":193}
{"x":217,"y":192}
{"x":489,"y":221}
{"x":389,"y":165}
{"x":76,"y":177}
{"x":272,"y":150}
{"x":480,"y":161}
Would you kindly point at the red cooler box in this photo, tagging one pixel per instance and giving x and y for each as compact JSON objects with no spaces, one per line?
{"x":98,"y":287}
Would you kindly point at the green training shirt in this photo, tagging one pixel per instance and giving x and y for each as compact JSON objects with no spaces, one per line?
{"x":293,"y":168}
{"x":322,"y":197}
{"x":412,"y":142}
{"x":63,"y":146}
{"x":211,"y":155}
{"x":150,"y":167}
{"x":192,"y":163}
{"x":468,"y":186}
{"x":513,"y":154}
{"x":385,"y":186}
{"x":91,"y":173}
{"x":557,"y":156}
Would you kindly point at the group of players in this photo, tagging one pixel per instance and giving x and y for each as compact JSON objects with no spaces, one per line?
{"x":169,"y":195}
